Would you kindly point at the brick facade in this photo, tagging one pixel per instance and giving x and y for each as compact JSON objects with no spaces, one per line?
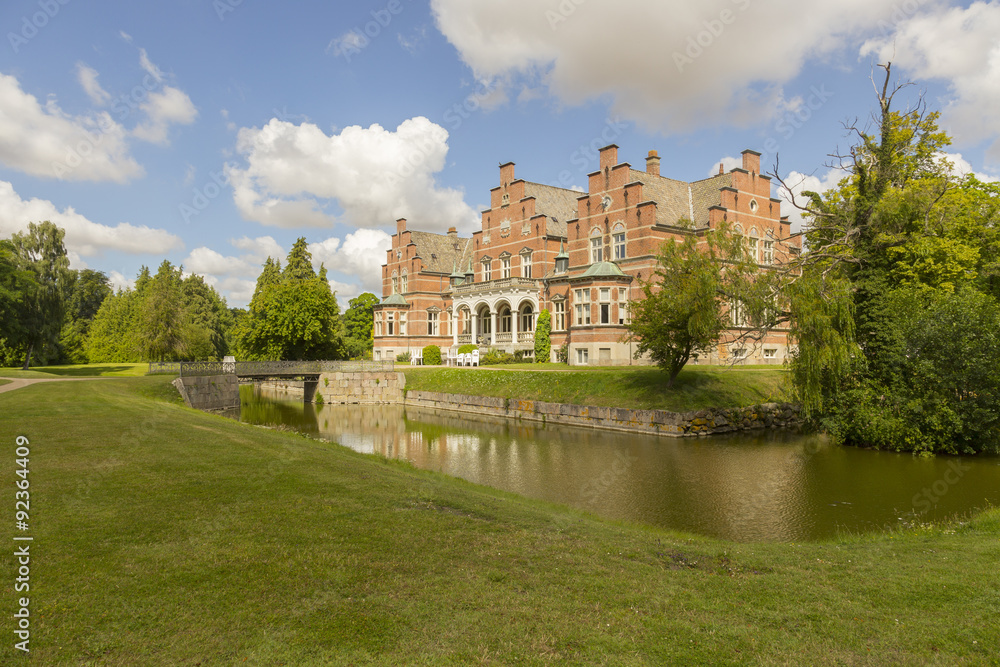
{"x":579,"y":255}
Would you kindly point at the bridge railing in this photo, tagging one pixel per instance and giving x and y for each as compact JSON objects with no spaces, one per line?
{"x":164,"y":367}
{"x":288,"y":368}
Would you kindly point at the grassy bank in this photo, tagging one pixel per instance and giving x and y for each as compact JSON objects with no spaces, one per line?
{"x":77,"y":370}
{"x":638,"y":388}
{"x":168,"y":536}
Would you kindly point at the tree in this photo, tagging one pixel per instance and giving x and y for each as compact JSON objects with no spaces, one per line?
{"x":41,"y":252}
{"x":293,"y":313}
{"x":894,"y":307}
{"x":209,"y":316}
{"x":112,"y":335}
{"x":543,"y":337}
{"x":15,"y":283}
{"x":685,"y":306}
{"x":359,"y":324}
{"x":87,"y":292}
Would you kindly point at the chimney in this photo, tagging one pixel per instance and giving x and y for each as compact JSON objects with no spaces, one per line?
{"x":401,"y":225}
{"x":453,"y":232}
{"x":751,"y":161}
{"x":722,"y":168}
{"x":506,"y":173}
{"x":653,"y":163}
{"x":609,"y":156}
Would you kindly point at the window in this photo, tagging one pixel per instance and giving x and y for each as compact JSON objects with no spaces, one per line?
{"x":433,"y":324}
{"x":582,"y":356}
{"x":395,"y":283}
{"x":770,"y":353}
{"x":736,"y":313}
{"x":619,"y":244}
{"x":403,"y":284}
{"x":768,"y":257}
{"x":622,"y":306}
{"x":389,"y":327}
{"x":582,"y":307}
{"x":504,"y":319}
{"x":505,"y":267}
{"x":562,"y":265}
{"x":559,"y":316}
{"x":378,"y":324}
{"x":527,"y":319}
{"x":505,"y":199}
{"x":487,"y":270}
{"x":605,"y":305}
{"x":752,"y":248}
{"x":739,"y":352}
{"x":595,"y":250}
{"x":402,"y":324}
{"x":526,"y":265}
{"x":467,"y":321}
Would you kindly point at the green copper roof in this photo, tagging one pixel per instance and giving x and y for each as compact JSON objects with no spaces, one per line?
{"x":455,"y":273}
{"x":394,"y":300}
{"x":603,"y":269}
{"x":562,"y":253}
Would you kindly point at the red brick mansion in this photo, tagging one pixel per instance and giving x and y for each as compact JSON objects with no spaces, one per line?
{"x":578,"y":255}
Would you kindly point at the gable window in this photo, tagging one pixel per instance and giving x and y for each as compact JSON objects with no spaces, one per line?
{"x":526,"y":265}
{"x":433,"y":324}
{"x":395,"y":283}
{"x":605,"y":305}
{"x":619,"y":244}
{"x":403,"y":283}
{"x":596,"y":250}
{"x":505,"y":267}
{"x":487,"y":270}
{"x":559,"y":316}
{"x":582,"y":307}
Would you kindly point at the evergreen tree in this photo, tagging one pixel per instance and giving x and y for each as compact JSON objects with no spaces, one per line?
{"x":41,"y":252}
{"x":543,"y":337}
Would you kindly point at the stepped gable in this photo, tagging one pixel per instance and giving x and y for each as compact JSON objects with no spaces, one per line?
{"x":558,"y":204}
{"x":705,"y":194}
{"x":438,"y":251}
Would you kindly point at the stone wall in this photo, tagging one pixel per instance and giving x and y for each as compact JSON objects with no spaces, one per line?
{"x":209,"y":392}
{"x":660,"y":422}
{"x":360,"y":388}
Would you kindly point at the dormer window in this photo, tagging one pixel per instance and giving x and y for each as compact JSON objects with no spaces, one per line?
{"x":505,"y":199}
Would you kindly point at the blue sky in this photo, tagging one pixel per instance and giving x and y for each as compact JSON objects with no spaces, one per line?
{"x":215,"y":132}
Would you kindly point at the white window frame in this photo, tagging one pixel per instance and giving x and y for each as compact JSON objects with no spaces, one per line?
{"x":390,"y":324}
{"x":582,"y":307}
{"x":559,"y":316}
{"x":596,"y":249}
{"x":526,"y":265}
{"x":433,"y":323}
{"x":768,"y":254}
{"x":505,"y":267}
{"x":403,"y":283}
{"x":402,"y":323}
{"x":622,"y":306}
{"x":619,"y":244}
{"x":582,"y":356}
{"x":487,"y":270}
{"x":604,"y":295}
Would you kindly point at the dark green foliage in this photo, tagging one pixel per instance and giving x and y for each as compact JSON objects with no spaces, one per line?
{"x":468,"y":347}
{"x":41,"y":252}
{"x":403,"y":357}
{"x":358,"y":326}
{"x":432,"y":355}
{"x":293,"y":314}
{"x":494,"y":357}
{"x":562,"y":356}
{"x":543,"y":338}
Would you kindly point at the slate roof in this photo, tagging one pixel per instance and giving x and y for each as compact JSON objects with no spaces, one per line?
{"x":677,"y":199}
{"x":438,"y":251}
{"x":558,"y":204}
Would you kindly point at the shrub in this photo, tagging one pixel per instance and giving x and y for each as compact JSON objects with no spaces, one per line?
{"x":543,"y":340}
{"x":496,"y":357}
{"x":468,"y":347}
{"x":404,"y":357}
{"x":432,"y":355}
{"x":562,"y":356}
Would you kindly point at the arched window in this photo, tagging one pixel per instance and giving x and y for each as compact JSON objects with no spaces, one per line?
{"x":596,"y":246}
{"x":527,"y":318}
{"x":618,"y":241}
{"x":752,"y":246}
{"x":403,"y":283}
{"x":395,"y":283}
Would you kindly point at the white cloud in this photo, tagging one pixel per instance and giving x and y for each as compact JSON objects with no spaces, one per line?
{"x":46,"y":142}
{"x":87,"y":76}
{"x":206,"y":261}
{"x":164,"y":108}
{"x":148,"y":65}
{"x":727,"y":162}
{"x":348,"y":43}
{"x":125,"y":36}
{"x":82,"y":236}
{"x":798,"y":183}
{"x":361,"y":255}
{"x":961,"y":167}
{"x":260,"y":248}
{"x":957,"y":45}
{"x":413,"y":43}
{"x":119,"y":281}
{"x":295,"y":173}
{"x":682,"y":65}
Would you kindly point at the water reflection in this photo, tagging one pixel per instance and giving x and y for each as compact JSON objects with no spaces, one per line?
{"x":774,"y":486}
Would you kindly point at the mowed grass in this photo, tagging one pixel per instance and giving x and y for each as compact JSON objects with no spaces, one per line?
{"x":166,"y":536}
{"x":641,"y":388}
{"x":77,"y":370}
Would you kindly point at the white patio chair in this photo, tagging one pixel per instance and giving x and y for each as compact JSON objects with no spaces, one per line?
{"x":475,"y":357}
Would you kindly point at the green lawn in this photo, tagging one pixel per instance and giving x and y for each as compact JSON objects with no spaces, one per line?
{"x":165,"y":536}
{"x":637,"y":387}
{"x":78,"y":370}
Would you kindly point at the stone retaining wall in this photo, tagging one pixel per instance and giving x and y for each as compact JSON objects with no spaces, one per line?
{"x":360,"y":388}
{"x":674,"y":424}
{"x":209,"y":392}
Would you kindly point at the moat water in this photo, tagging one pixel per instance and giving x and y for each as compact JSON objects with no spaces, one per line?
{"x":760,"y":486}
